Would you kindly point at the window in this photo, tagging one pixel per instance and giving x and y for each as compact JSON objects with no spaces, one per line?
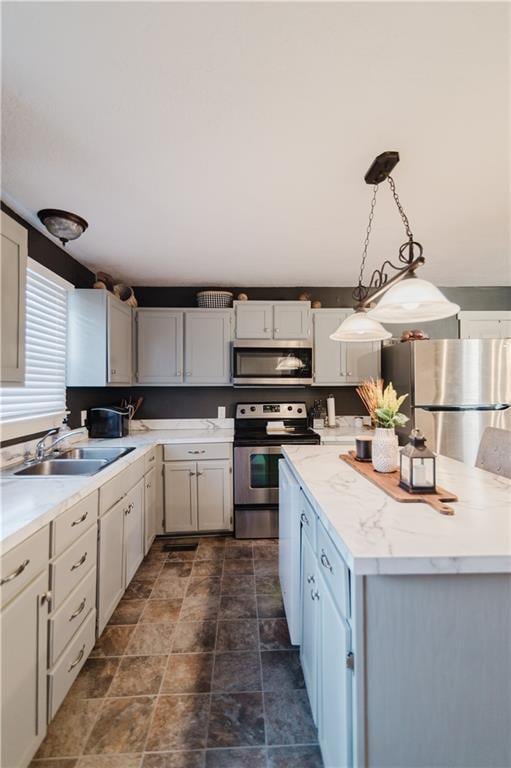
{"x":40,"y":403}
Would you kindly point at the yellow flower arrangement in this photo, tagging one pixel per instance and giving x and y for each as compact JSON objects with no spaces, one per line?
{"x":382,"y":404}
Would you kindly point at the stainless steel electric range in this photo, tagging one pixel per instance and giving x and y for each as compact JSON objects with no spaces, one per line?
{"x":257,"y":451}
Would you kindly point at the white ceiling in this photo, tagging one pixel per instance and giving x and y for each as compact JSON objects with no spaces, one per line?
{"x":226,"y":143}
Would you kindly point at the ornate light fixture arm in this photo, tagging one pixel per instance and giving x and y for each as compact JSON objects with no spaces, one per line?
{"x":410,"y":253}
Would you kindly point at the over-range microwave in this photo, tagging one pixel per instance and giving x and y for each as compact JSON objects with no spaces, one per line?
{"x":272,"y":363}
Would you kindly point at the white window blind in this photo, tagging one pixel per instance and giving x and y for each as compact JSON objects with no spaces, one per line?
{"x":41,"y":402}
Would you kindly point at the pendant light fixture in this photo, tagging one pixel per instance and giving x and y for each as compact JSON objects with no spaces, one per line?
{"x":62,"y":224}
{"x":404,"y":297}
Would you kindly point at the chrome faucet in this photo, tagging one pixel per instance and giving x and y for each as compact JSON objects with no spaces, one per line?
{"x":42,"y":453}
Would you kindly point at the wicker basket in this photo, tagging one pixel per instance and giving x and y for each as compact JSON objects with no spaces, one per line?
{"x":214,"y":299}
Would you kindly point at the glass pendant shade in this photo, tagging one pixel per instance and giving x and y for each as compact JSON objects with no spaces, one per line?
{"x":360,"y":327}
{"x":413,"y":300}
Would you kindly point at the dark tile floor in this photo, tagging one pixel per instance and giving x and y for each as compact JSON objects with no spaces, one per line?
{"x":194,"y":670}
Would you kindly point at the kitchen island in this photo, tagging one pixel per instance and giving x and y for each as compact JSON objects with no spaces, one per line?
{"x":404,"y":615}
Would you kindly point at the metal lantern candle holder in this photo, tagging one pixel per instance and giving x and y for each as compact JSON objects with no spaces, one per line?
{"x":417,"y":465}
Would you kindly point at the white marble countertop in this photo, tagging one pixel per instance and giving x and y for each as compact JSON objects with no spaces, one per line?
{"x":378,"y":535}
{"x":29,"y":503}
{"x":341,"y":434}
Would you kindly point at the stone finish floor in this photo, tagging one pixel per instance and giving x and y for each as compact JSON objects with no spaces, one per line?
{"x":194,"y":670}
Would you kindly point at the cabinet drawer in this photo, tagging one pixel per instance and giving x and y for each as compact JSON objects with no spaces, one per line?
{"x":116,"y":488}
{"x":63,"y":675}
{"x":70,"y":616}
{"x":70,"y":567}
{"x":24,"y":563}
{"x":334,"y":570}
{"x":150,"y":459}
{"x":196,"y":451}
{"x":308,"y":519}
{"x":72,"y":523}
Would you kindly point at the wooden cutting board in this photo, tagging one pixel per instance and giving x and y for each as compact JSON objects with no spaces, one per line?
{"x":389,"y":482}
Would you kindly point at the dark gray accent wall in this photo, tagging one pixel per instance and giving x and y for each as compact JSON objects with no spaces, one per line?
{"x":202,"y":402}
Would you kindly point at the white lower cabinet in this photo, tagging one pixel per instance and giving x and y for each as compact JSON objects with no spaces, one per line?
{"x":151,"y":508}
{"x":23,"y":689}
{"x":110,"y":562}
{"x":133,"y":530}
{"x":198,"y":494}
{"x":214,"y":494}
{"x":180,"y":496}
{"x":334,"y":682}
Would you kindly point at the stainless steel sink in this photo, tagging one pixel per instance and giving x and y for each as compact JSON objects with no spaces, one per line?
{"x":64,"y":467}
{"x":109,"y":454}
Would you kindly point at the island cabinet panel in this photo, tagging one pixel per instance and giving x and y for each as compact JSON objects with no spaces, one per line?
{"x":438,"y":670}
{"x":23,"y":689}
{"x":310,"y":624}
{"x":334,"y":682}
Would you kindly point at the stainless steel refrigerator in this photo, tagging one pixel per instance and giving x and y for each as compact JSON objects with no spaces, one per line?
{"x":457,"y":388}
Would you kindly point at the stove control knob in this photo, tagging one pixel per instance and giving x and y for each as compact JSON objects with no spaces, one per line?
{"x":289,"y":407}
{"x":242,"y":410}
{"x":252,"y":408}
{"x":299,"y":410}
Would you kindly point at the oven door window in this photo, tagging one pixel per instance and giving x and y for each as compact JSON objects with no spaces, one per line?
{"x":272,"y":363}
{"x":264,"y":470}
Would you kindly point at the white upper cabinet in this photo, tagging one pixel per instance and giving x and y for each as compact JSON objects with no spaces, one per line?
{"x":99,"y":340}
{"x":208,"y":346}
{"x":159,"y":346}
{"x":254,"y":320}
{"x":286,"y":320}
{"x":119,"y":343}
{"x":485,"y":324}
{"x":335,"y":362}
{"x":13,"y":255}
{"x":183,"y":346}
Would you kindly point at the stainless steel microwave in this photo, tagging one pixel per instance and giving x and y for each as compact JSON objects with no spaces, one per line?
{"x":271,"y":363}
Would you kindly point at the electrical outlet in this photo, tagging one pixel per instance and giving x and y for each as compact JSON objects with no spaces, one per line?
{"x":83,"y":418}
{"x":221,"y":412}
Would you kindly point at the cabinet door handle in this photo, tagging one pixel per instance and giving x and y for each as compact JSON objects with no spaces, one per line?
{"x":311,"y":580}
{"x":314,"y":594}
{"x":199,"y":474}
{"x":304,"y":518}
{"x":79,"y":562}
{"x":19,"y":570}
{"x":178,"y":373}
{"x":80,"y":519}
{"x":78,"y":659}
{"x":192,"y":474}
{"x":148,"y":485}
{"x":79,"y":610}
{"x":152,"y":458}
{"x":276,"y":330}
{"x":325,"y":562}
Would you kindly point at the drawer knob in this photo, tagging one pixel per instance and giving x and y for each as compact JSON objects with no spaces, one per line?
{"x":325,"y":562}
{"x":14,"y":575}
{"x":79,"y":610}
{"x":79,"y":562}
{"x":314,"y":594}
{"x":311,"y":580}
{"x":151,"y":458}
{"x":78,"y":659}
{"x":80,"y":519}
{"x":304,"y":518}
